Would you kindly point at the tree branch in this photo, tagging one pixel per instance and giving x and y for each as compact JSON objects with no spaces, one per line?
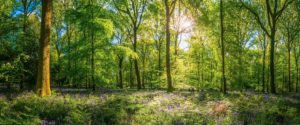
{"x":257,"y":18}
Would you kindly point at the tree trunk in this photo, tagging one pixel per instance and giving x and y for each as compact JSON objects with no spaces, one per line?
{"x":43,"y":77}
{"x":268,"y":76}
{"x":263,"y":77}
{"x":7,"y":85}
{"x":131,"y":82}
{"x":297,"y":77}
{"x":69,"y":50}
{"x":86,"y":64}
{"x":151,"y":79}
{"x":289,"y":75}
{"x":169,"y":79}
{"x":272,"y":77}
{"x":258,"y":78}
{"x":211,"y":72}
{"x":282,"y":82}
{"x":137,"y":72}
{"x":198,"y":73}
{"x":75,"y":64}
{"x":93,"y":68}
{"x":202,"y":73}
{"x":240,"y":66}
{"x":117,"y":85}
{"x":223,"y":47}
{"x":120,"y":72}
{"x":143,"y":76}
{"x":159,"y":64}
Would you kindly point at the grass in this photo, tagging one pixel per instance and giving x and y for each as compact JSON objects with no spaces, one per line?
{"x":121,"y":107}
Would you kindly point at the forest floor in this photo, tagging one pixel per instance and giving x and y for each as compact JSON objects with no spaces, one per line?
{"x":114,"y":107}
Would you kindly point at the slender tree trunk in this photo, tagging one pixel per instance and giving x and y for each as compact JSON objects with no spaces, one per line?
{"x":272,"y":70}
{"x":75,"y":67}
{"x":93,"y":68}
{"x":263,"y":77}
{"x":151,"y":79}
{"x":223,"y":48}
{"x":159,"y":64}
{"x":131,"y":82}
{"x":43,"y":77}
{"x":211,"y":72}
{"x":120,"y":72}
{"x":86,"y":80}
{"x":86,"y":64}
{"x":24,"y":38}
{"x":268,"y":76}
{"x":282,"y":82}
{"x":144,"y":71}
{"x":8,"y":85}
{"x":58,"y":56}
{"x":258,"y":78}
{"x":69,"y":50}
{"x":93,"y":54}
{"x":169,"y":78}
{"x":297,"y":77}
{"x":289,"y":75}
{"x":117,"y":76}
{"x":198,"y":73}
{"x":202,"y":73}
{"x":138,"y":77}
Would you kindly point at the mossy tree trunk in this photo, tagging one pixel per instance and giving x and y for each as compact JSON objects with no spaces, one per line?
{"x":43,"y":77}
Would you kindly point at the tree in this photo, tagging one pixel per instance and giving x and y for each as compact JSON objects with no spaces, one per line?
{"x":158,"y":32}
{"x":28,"y":7}
{"x":296,"y":55}
{"x":135,"y":10}
{"x":223,"y":47}
{"x":268,"y":24}
{"x":169,"y":11}
{"x":43,"y":78}
{"x":290,"y":29}
{"x":264,"y":44}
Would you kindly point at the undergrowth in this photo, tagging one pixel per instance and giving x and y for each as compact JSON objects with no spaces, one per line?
{"x":111,"y":107}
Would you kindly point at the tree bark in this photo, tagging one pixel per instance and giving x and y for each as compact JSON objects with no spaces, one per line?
{"x":263,"y":77}
{"x":86,"y":64}
{"x":282,"y":82}
{"x":168,"y":15}
{"x":120,"y":72}
{"x":69,"y":50}
{"x":117,"y":76}
{"x":159,"y":64}
{"x":268,"y":76}
{"x":211,"y":72}
{"x":289,"y":74}
{"x":131,"y":82}
{"x":297,"y":77}
{"x":198,"y":73}
{"x":93,"y":68}
{"x":202,"y":73}
{"x":7,"y":85}
{"x":137,"y":72}
{"x":43,"y":77}
{"x":258,"y":78}
{"x":223,"y":53}
{"x":143,"y":72}
{"x":272,"y":70}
